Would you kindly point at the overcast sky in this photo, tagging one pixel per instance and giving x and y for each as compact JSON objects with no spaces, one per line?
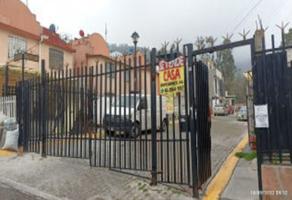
{"x":162,"y":20}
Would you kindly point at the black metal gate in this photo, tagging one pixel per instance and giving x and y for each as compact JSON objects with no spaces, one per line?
{"x":272,"y":83}
{"x":113,"y":115}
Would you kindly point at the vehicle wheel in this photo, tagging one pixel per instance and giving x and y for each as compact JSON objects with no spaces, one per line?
{"x":109,"y":133}
{"x":135,"y":130}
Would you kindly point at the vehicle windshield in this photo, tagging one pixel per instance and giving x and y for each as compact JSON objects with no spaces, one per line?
{"x":125,"y":101}
{"x":242,"y":109}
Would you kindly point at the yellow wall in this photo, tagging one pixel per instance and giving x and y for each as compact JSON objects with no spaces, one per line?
{"x":68,"y":57}
{"x":33,"y":47}
{"x":31,"y":44}
{"x":118,"y":79}
{"x":3,"y":43}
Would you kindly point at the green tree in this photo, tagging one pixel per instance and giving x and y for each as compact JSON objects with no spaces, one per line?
{"x":205,"y":42}
{"x":239,"y":86}
{"x":234,"y":81}
{"x":288,"y":37}
{"x":225,"y":63}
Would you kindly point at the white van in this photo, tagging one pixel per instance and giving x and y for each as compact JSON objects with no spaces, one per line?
{"x":102,"y":105}
{"x":131,"y":115}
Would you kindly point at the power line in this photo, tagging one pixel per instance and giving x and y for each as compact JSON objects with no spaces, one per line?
{"x":239,"y":15}
{"x":277,"y":12}
{"x":247,"y":15}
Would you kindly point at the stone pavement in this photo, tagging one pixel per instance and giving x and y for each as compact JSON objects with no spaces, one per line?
{"x":63,"y":178}
{"x":243,"y":182}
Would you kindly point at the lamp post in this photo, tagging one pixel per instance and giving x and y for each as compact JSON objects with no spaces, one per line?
{"x":135,"y":36}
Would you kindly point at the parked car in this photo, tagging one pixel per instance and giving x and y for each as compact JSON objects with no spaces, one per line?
{"x":242,"y":114}
{"x":230,"y":110}
{"x":102,"y":105}
{"x":220,"y":110}
{"x":127,"y":118}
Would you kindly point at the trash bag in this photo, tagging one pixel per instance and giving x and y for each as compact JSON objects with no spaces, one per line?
{"x":10,"y":124}
{"x":11,"y":140}
{"x":3,"y":117}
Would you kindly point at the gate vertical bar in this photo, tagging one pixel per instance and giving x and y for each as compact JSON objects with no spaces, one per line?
{"x":186,"y":101}
{"x":153,"y":118}
{"x":192,"y":106}
{"x":21,"y":135}
{"x":44,"y":106}
{"x":90,"y":113}
{"x":255,"y":77}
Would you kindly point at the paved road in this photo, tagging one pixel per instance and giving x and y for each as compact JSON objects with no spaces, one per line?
{"x":226,"y":134}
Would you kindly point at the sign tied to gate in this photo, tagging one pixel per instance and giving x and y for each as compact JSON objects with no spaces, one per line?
{"x":171,"y":76}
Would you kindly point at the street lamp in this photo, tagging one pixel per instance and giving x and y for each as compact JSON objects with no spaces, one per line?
{"x":135,"y":36}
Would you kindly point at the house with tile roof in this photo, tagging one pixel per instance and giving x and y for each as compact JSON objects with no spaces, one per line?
{"x":89,"y":50}
{"x":21,"y":32}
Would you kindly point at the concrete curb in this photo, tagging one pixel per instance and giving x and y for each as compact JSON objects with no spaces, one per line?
{"x":5,"y":153}
{"x":28,"y":190}
{"x":220,"y":181}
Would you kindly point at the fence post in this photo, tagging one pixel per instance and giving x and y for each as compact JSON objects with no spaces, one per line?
{"x":153,"y":118}
{"x":22,"y":120}
{"x":258,"y":99}
{"x":44,"y":107}
{"x":192,"y":89}
{"x":90,"y":113}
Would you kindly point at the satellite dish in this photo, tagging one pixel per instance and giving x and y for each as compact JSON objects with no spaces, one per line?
{"x":52,"y":28}
{"x":81,"y":33}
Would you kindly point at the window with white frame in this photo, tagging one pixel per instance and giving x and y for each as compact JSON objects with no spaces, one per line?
{"x":56,"y":59}
{"x":15,"y":45}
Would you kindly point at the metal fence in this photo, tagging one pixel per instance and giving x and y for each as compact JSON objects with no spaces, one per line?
{"x":113,"y":115}
{"x":8,"y":105}
{"x":273,"y":87}
{"x":272,"y":83}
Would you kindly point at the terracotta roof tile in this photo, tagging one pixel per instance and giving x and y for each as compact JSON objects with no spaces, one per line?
{"x":55,"y":40}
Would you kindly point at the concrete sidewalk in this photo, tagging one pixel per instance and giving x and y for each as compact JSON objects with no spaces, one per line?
{"x":243,"y":182}
{"x":63,"y":178}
